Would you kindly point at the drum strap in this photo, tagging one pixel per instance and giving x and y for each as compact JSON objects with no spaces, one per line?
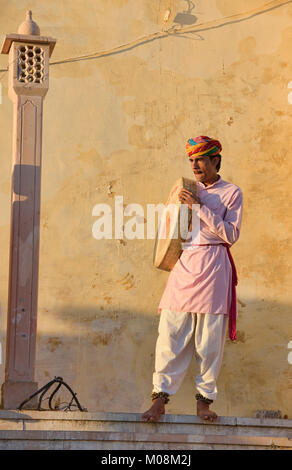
{"x":232,"y":312}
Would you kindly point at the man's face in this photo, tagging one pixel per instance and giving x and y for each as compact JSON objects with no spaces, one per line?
{"x":203,"y":168}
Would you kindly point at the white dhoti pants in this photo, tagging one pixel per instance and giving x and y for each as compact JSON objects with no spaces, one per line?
{"x":182,"y":334}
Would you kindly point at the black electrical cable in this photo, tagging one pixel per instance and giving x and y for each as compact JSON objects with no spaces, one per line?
{"x":43,"y":390}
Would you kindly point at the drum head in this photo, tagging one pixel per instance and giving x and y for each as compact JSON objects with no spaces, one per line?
{"x":173,"y":227}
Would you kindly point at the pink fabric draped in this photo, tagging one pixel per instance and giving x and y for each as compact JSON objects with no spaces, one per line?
{"x":233,"y":311}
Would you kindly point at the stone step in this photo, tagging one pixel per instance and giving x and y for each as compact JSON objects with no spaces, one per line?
{"x":94,"y":440}
{"x":29,"y":429}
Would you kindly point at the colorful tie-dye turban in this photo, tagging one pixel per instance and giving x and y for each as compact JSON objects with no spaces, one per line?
{"x":203,"y":145}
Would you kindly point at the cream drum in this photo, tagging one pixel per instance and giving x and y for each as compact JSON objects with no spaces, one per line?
{"x":173,"y":227}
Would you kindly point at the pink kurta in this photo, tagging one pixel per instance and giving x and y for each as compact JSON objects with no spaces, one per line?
{"x":201,"y":280}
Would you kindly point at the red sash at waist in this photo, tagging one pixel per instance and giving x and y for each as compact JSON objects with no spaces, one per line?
{"x":233,"y":310}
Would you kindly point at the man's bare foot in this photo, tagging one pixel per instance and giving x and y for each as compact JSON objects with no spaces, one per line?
{"x":204,"y":413}
{"x":153,"y":414}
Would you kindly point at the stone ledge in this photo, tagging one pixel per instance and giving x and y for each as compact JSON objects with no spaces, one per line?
{"x":25,"y":415}
{"x":136,"y":417}
{"x":90,"y":436}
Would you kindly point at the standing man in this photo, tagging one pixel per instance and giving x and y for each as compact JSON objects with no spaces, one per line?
{"x":199,"y":300}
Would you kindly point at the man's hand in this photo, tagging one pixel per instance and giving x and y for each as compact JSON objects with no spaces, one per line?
{"x":187,"y":197}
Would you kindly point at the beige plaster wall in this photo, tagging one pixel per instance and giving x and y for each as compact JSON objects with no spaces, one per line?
{"x":117,"y":125}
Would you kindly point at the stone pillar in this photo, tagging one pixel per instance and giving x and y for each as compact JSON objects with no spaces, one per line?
{"x":28,"y":84}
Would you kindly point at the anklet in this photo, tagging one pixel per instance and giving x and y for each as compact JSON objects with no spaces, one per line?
{"x":205,"y":400}
{"x":163,"y":395}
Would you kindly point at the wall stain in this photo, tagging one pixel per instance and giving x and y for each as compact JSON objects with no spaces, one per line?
{"x":127,"y":281}
{"x":241,"y":303}
{"x":241,"y":338}
{"x":122,"y":242}
{"x":101,"y":339}
{"x":53,"y":343}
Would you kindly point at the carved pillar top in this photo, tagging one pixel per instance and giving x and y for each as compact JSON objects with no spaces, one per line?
{"x":29,"y":26}
{"x":29,"y":55}
{"x":28,"y":32}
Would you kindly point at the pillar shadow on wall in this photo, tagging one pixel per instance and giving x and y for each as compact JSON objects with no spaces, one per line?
{"x":25,"y":214}
{"x":23,"y":266}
